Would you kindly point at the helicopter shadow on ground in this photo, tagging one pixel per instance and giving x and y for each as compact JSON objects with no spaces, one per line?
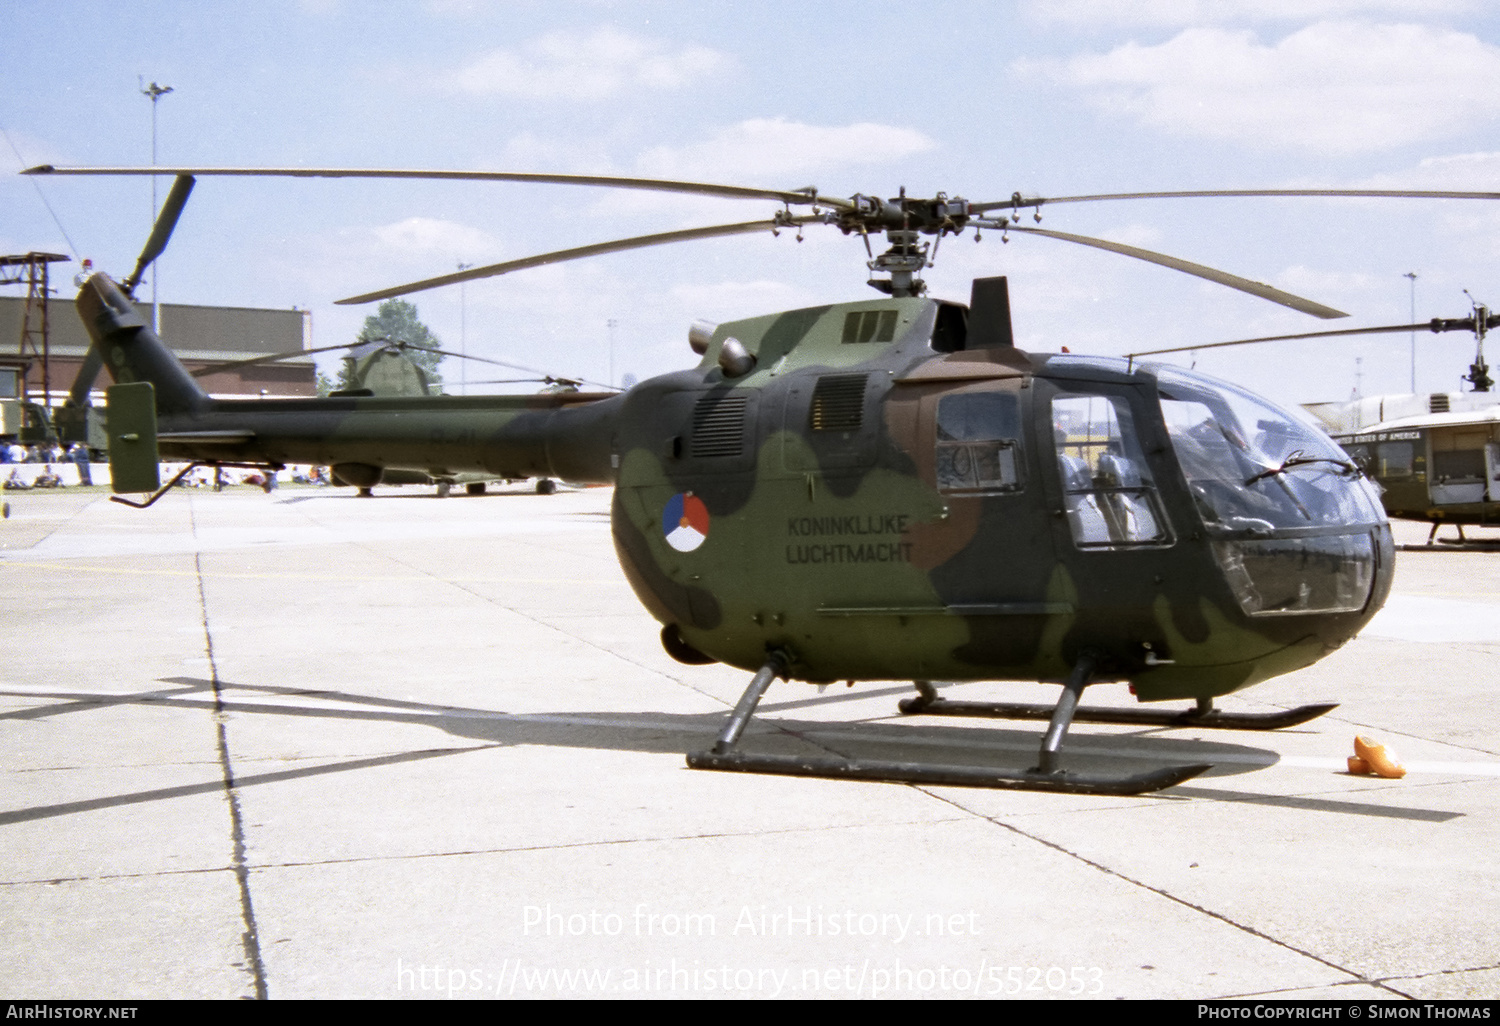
{"x":941,"y":743}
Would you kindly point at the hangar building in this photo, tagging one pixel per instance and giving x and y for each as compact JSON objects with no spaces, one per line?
{"x":203,"y":337}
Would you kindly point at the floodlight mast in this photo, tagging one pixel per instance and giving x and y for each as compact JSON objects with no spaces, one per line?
{"x":1412,"y":275}
{"x":156,"y":92}
{"x":463,"y":333}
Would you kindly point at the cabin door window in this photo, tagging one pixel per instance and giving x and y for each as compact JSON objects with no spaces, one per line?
{"x":1108,"y":494}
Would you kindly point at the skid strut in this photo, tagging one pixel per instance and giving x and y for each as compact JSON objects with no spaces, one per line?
{"x":725,"y":755}
{"x":1204,"y":714}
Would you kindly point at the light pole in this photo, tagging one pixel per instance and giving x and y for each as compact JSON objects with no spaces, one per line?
{"x":156,"y":92}
{"x":463,"y":333}
{"x":1413,"y":276}
{"x":612,"y":323}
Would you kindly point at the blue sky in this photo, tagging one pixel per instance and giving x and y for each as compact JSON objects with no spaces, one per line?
{"x":974,"y":99}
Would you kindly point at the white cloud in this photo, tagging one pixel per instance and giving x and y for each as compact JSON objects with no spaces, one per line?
{"x":726,"y":299}
{"x":1094,"y":13}
{"x":593,"y":66}
{"x":425,"y":236}
{"x":1452,"y":172}
{"x":1346,"y":290}
{"x":528,"y":151}
{"x":1144,"y":236}
{"x":774,"y":150}
{"x":1332,"y":87}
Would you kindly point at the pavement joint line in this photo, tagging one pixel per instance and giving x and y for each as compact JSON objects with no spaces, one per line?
{"x":1289,"y":993}
{"x":1355,"y":977}
{"x":64,"y":523}
{"x":1405,"y":737}
{"x":964,"y":817}
{"x":1447,"y":972}
{"x":204,"y":787}
{"x":249,"y":938}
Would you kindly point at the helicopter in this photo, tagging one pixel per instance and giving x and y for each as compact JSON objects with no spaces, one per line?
{"x":383,"y":367}
{"x":1435,"y":456}
{"x":888,"y":489}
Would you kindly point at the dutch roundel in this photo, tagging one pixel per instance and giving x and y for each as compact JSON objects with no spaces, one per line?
{"x":684,"y":522}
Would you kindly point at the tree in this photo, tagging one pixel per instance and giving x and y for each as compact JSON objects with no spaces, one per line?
{"x":396,"y":321}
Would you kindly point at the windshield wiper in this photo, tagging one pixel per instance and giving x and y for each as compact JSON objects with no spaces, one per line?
{"x":1299,"y":459}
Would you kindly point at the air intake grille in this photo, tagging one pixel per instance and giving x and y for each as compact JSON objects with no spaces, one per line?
{"x":838,"y":402}
{"x":719,"y":426}
{"x":1437,"y":402}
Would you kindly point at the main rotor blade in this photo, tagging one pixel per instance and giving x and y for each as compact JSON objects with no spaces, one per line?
{"x":1233,"y":281}
{"x":808,"y":195}
{"x":270,"y":358}
{"x":161,"y":232}
{"x":1437,"y":326}
{"x":549,"y":378}
{"x":562,"y":255}
{"x":479,"y":359}
{"x":1387,"y":329}
{"x":1038,"y":201}
{"x":402,"y":347}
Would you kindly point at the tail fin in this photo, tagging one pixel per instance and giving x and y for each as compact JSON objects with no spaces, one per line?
{"x":131,"y":350}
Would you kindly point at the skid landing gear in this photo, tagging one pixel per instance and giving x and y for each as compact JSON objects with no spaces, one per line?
{"x":1045,"y":776}
{"x":1204,"y":714}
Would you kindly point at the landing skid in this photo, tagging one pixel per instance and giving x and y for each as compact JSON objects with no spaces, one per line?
{"x":1045,"y":776}
{"x":930,"y":773}
{"x":1462,"y":544}
{"x":1205,"y":715}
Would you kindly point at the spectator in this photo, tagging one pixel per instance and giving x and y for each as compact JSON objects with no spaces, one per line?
{"x":80,"y":457}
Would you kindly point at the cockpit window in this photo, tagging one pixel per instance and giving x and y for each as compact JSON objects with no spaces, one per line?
{"x":978,"y":442}
{"x":1108,"y":493}
{"x":1255,"y":469}
{"x":1261,"y":479}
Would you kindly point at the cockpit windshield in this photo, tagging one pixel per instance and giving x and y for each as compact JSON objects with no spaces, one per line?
{"x":1254,"y":468}
{"x":1288,"y":514}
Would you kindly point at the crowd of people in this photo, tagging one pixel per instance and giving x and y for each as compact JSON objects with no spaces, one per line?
{"x":50,"y":453}
{"x":218,"y":477}
{"x":44,"y":452}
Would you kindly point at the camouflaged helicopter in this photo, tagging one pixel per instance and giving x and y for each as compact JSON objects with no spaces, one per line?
{"x":886,"y":489}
